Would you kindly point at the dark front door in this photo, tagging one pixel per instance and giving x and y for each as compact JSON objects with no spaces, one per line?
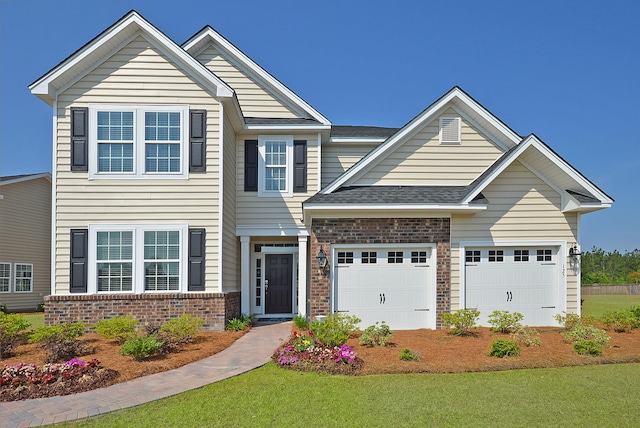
{"x":278,"y":283}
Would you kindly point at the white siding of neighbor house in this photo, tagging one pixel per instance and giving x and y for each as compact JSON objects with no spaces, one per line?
{"x":274,"y":212}
{"x":255,"y":100}
{"x":422,"y":160}
{"x":25,"y":237}
{"x":521,"y":207}
{"x":138,"y":74}
{"x":339,"y":157}
{"x":230,"y":244}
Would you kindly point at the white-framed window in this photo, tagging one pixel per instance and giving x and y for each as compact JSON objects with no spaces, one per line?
{"x":520,"y":255}
{"x":5,"y":277}
{"x":369,"y":257}
{"x":23,"y":278}
{"x":138,"y":141}
{"x":138,"y":258}
{"x":345,"y":257}
{"x":450,"y":130}
{"x":496,"y":256}
{"x":275,"y":165}
{"x":472,"y":256}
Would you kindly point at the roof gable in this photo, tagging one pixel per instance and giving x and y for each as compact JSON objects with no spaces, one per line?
{"x":469,"y":109}
{"x":272,"y":86}
{"x":113,"y":38}
{"x":11,"y":179}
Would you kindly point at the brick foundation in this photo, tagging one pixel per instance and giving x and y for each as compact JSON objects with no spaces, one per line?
{"x":325,"y":232}
{"x":214,"y":308}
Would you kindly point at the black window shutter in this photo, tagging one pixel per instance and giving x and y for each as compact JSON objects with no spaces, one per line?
{"x":251,"y":165}
{"x":79,"y":138}
{"x":196,"y":259}
{"x":197,"y":140}
{"x":79,"y":260}
{"x":300,"y":166}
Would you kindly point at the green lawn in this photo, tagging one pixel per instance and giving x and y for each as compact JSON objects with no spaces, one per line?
{"x":603,"y":396}
{"x":597,"y":305}
{"x":36,"y":319}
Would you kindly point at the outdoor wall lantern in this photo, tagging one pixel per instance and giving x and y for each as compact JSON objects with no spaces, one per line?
{"x":574,"y":252}
{"x":322,"y":259}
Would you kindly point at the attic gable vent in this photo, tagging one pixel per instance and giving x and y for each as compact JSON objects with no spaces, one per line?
{"x":450,"y":130}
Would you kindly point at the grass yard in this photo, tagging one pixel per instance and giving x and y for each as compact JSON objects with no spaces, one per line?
{"x":597,"y":305}
{"x":36,"y":319}
{"x":601,"y":396}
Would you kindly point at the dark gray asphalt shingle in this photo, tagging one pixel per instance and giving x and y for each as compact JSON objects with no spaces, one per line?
{"x":583,"y":198}
{"x":280,"y":121}
{"x":348,"y":131}
{"x":14,"y":177}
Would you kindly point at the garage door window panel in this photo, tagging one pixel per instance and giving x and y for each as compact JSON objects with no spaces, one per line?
{"x":544,"y":256}
{"x":496,"y":255}
{"x":394,"y":257}
{"x":472,"y":256}
{"x":418,"y":257}
{"x":520,"y":255}
{"x":369,"y":257}
{"x":345,"y":257}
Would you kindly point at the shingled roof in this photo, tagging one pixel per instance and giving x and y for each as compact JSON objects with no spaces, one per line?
{"x":348,"y":131}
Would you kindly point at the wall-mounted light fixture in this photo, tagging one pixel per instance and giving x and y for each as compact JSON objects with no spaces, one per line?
{"x":322,"y":259}
{"x":574,"y":252}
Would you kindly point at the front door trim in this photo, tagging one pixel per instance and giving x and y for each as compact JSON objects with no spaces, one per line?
{"x":259,"y":311}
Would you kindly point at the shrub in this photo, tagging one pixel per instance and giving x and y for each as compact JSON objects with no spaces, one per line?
{"x":335,"y":329}
{"x":618,"y":321}
{"x":505,"y":321}
{"x":376,"y":335}
{"x":40,"y":307}
{"x":12,"y":327}
{"x":461,"y":322}
{"x":180,"y":330}
{"x":527,"y":336}
{"x":119,"y":328}
{"x":408,"y":355}
{"x":588,"y":347}
{"x":586,"y":332}
{"x":3,"y":308}
{"x":141,"y":348}
{"x":634,"y":311}
{"x":504,"y":348}
{"x":237,"y":324}
{"x":61,"y":341}
{"x":301,"y":322}
{"x":568,"y":321}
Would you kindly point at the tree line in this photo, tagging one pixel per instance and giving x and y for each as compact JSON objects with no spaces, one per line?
{"x":600,"y":267}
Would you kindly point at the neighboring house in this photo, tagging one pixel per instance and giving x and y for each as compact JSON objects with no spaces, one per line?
{"x":190,"y":180}
{"x":25,"y":240}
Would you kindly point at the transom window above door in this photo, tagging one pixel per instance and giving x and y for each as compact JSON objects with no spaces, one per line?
{"x":138,"y":141}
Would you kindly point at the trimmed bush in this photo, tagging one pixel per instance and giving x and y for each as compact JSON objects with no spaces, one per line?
{"x":119,"y":328}
{"x":588,"y":347}
{"x":61,"y":341}
{"x":568,"y":321}
{"x":505,"y":321}
{"x":376,"y":335}
{"x":408,"y":355}
{"x":181,"y":330}
{"x":238,"y":324}
{"x":504,"y":348}
{"x":12,"y":328}
{"x":586,"y":332}
{"x":527,"y":336}
{"x":335,"y":329}
{"x":461,"y":322}
{"x":141,"y":348}
{"x":618,"y":321}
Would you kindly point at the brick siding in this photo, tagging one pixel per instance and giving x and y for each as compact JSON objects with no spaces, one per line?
{"x":214,"y":308}
{"x":325,"y":232}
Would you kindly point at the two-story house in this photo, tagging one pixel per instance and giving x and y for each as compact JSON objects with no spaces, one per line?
{"x":190,"y":180}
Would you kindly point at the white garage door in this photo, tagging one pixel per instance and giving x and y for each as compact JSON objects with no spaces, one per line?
{"x":391,"y":284}
{"x":524,"y":280}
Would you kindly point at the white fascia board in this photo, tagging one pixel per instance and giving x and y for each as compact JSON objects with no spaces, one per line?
{"x":425,"y":117}
{"x":26,"y":178}
{"x":255,"y":230}
{"x":395,"y":207}
{"x":45,"y":86}
{"x":280,"y":127}
{"x":256,"y":70}
{"x":356,"y":140}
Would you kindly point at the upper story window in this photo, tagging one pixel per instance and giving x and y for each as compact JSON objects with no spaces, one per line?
{"x":275,"y":166}
{"x":138,"y":141}
{"x":450,"y":130}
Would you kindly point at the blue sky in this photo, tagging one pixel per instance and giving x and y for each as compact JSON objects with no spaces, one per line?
{"x":568,"y":71}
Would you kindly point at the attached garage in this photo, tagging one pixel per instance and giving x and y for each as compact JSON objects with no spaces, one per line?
{"x":526,"y":279}
{"x":395,"y":284}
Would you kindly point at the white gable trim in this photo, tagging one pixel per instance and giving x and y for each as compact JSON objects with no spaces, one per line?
{"x":254,"y":69}
{"x":532,"y":140}
{"x":26,"y":178}
{"x":48,"y":85}
{"x":428,"y":115}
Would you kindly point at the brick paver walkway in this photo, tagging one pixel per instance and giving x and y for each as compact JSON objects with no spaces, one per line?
{"x":252,"y":350}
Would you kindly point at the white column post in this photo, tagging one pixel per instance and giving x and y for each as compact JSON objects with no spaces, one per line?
{"x":302,"y":275}
{"x":245,"y":274}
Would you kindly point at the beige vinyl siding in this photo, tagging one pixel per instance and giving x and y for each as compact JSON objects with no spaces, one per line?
{"x":230,"y":244}
{"x":422,"y":160}
{"x":275,"y":212}
{"x":138,"y":74}
{"x":521,"y":207}
{"x":339,"y":157}
{"x":25,"y":237}
{"x":255,"y":100}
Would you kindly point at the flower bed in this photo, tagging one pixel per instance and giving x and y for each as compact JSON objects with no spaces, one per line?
{"x":23,"y":380}
{"x":302,"y":351}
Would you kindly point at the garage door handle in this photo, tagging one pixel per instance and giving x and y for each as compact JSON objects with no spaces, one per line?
{"x":342,"y":311}
{"x":382,"y":298}
{"x":421,"y":310}
{"x":548,"y":307}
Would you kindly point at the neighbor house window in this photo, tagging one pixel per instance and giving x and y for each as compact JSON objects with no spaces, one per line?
{"x":137,"y":258}
{"x":138,"y":141}
{"x":5,"y":277}
{"x":24,"y":277}
{"x":275,"y":168}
